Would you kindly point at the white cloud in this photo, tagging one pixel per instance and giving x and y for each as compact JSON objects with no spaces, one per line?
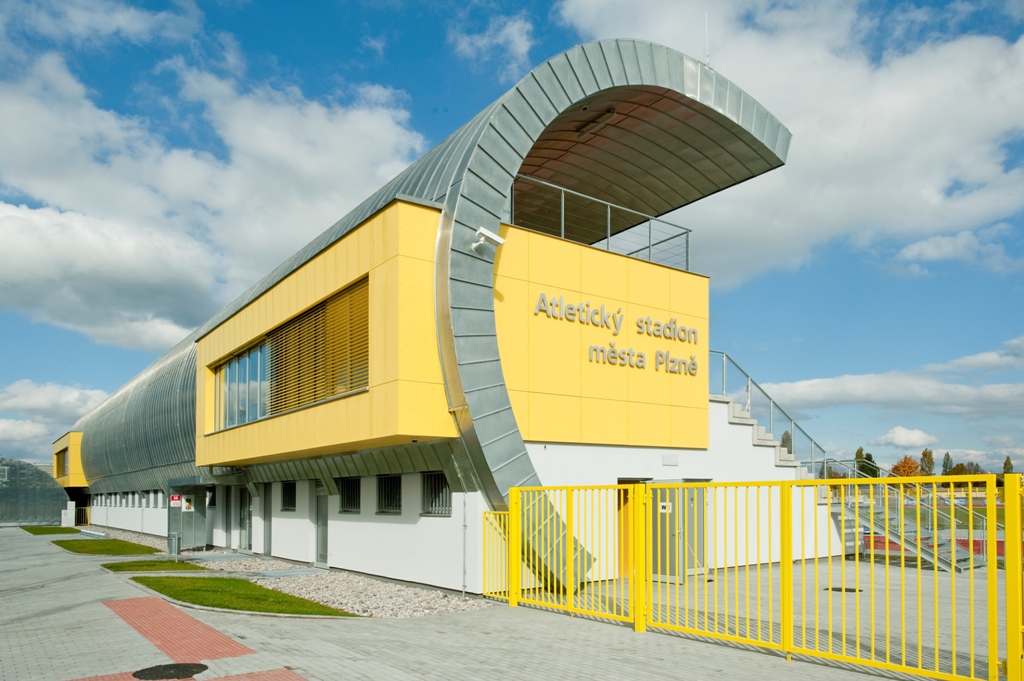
{"x":507,"y":40}
{"x":97,"y":20}
{"x":879,"y":152}
{"x":20,"y":431}
{"x":964,"y":246}
{"x":906,"y":438}
{"x":49,"y":402}
{"x":1011,"y":356}
{"x":902,"y":390}
{"x":137,"y":241}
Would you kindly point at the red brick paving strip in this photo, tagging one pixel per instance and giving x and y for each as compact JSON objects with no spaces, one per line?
{"x":179,"y":636}
{"x":272,"y":675}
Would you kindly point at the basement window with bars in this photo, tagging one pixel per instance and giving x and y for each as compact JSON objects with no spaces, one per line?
{"x":287,"y":496}
{"x":321,"y":354}
{"x":389,"y":494}
{"x":348,"y":488}
{"x":437,"y":495}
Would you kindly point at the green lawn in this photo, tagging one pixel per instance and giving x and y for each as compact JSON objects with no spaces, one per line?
{"x":234,"y":594}
{"x":39,"y":529}
{"x":151,"y":566}
{"x":104,"y":547}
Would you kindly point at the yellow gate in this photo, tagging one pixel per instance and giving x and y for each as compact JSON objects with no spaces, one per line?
{"x":915,"y":575}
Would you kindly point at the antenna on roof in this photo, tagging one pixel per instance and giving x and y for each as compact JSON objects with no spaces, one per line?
{"x":707,"y":43}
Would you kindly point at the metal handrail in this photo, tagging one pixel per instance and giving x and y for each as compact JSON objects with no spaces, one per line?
{"x":649,"y":248}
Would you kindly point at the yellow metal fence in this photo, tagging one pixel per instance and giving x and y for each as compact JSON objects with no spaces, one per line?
{"x":921,"y":576}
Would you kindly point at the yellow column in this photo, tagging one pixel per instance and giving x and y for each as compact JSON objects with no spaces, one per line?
{"x":1012,"y":555}
{"x":515,"y":552}
{"x":641,"y":548}
{"x":786,"y":563}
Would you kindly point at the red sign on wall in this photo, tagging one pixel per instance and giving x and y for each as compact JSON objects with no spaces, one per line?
{"x":175,"y":501}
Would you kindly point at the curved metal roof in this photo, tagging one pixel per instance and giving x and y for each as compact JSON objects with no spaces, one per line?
{"x":626,"y":121}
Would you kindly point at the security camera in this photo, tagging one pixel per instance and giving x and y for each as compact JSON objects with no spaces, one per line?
{"x":486,"y":236}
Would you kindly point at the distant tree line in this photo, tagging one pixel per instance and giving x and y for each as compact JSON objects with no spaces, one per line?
{"x":909,"y":467}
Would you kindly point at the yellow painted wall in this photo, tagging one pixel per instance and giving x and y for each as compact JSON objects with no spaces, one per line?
{"x":72,"y":442}
{"x":406,"y":398}
{"x":557,"y":393}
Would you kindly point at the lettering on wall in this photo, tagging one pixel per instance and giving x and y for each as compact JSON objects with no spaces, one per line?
{"x":555,"y":307}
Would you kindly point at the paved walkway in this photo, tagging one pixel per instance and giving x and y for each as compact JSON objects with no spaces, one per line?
{"x":62,"y":618}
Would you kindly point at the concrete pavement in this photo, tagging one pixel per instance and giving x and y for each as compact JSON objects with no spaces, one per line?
{"x":55,"y":626}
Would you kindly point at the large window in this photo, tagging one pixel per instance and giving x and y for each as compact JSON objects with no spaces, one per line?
{"x":62,"y":463}
{"x":389,"y":494}
{"x":437,"y":496}
{"x":322,"y":353}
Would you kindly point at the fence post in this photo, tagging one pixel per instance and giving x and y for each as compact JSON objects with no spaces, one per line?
{"x":1012,"y":556}
{"x":515,"y":552}
{"x":638,"y":575}
{"x":570,"y":549}
{"x":786,"y":564}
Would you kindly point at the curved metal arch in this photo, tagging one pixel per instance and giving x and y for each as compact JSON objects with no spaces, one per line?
{"x":478,"y":396}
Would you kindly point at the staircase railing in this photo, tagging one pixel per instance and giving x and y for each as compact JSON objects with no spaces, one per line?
{"x":727,"y":379}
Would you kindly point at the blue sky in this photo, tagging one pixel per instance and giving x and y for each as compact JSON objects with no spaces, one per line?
{"x":157,"y":158}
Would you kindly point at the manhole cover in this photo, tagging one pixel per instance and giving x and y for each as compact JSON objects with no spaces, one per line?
{"x":843,"y":589}
{"x":170,"y":671}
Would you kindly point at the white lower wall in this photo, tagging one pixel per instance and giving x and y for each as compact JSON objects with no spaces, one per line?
{"x":409,"y":546}
{"x":146,"y":520}
{"x":293,"y":532}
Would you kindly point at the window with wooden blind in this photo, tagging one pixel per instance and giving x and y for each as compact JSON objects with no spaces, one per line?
{"x":321,"y":354}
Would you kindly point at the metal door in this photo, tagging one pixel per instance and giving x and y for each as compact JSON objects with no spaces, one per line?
{"x":187,"y":516}
{"x":268,"y":515}
{"x":677,"y":531}
{"x":321,"y":530}
{"x":244,"y":520}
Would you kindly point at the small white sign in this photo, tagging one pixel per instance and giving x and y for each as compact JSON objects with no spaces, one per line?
{"x":665,"y":507}
{"x":175,"y":501}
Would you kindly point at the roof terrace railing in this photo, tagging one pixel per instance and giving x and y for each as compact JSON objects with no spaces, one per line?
{"x":547,"y":208}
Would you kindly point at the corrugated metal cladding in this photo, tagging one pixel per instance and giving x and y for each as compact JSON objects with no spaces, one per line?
{"x":413,"y":458}
{"x":679,"y":132}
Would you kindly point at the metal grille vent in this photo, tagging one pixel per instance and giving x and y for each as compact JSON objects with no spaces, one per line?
{"x":348,"y":488}
{"x":437,"y":496}
{"x":322,"y":353}
{"x":389,"y":494}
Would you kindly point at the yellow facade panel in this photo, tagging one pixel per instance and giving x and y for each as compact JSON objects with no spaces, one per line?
{"x":67,"y":452}
{"x":614,"y":332}
{"x":554,"y":418}
{"x":405,"y":399}
{"x":520,"y":400}
{"x":513,"y":295}
{"x":690,"y":427}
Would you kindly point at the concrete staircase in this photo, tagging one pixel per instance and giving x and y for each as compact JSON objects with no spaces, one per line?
{"x":759,"y":436}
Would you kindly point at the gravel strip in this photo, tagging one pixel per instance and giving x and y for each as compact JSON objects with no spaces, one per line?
{"x":365,"y":596}
{"x":134,"y":537}
{"x":248,"y":564}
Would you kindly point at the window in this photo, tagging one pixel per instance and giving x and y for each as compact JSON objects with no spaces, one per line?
{"x":211,"y":497}
{"x":389,"y":494}
{"x":287,"y":496}
{"x":62,"y":463}
{"x":161,"y":498}
{"x":348,"y":488}
{"x":322,"y":353}
{"x":437,"y":496}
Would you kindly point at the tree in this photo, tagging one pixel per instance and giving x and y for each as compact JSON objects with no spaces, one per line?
{"x":865,"y":463}
{"x":786,"y":441}
{"x":907,"y":467}
{"x":1007,"y":466}
{"x":927,"y":462}
{"x":947,"y":464}
{"x":969,"y":468}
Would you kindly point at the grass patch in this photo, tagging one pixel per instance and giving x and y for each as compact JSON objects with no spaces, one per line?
{"x":40,"y":529}
{"x":235,"y":594}
{"x":151,"y":566}
{"x":104,"y":547}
